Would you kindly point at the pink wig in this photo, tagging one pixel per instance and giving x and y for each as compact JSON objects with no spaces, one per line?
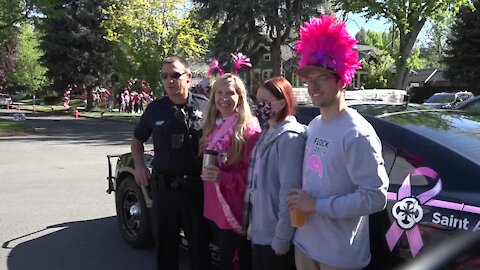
{"x":324,"y":42}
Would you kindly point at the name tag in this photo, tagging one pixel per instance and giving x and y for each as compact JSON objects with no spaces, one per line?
{"x":159,"y":123}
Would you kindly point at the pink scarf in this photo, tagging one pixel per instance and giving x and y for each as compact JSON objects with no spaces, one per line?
{"x":220,"y":140}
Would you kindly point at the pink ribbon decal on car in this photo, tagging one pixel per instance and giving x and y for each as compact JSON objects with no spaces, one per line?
{"x":408,"y":212}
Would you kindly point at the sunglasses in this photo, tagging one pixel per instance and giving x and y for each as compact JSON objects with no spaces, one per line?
{"x":174,"y":75}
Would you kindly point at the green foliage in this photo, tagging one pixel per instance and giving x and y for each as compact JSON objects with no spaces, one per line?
{"x":435,"y":45}
{"x":14,"y":12}
{"x":248,"y":25}
{"x":146,"y":32}
{"x":29,"y":73}
{"x":75,"y":49}
{"x":378,"y":66}
{"x":51,"y":100}
{"x":379,"y":74}
{"x":464,"y":54}
{"x":408,"y":17}
{"x":8,"y":59}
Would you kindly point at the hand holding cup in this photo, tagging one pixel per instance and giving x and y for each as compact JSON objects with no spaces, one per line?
{"x":210,"y":173}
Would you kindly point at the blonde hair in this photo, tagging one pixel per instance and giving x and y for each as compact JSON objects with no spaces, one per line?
{"x":235,"y":153}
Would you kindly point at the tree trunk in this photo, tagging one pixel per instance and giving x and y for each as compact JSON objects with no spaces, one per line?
{"x":406,"y":45}
{"x":401,"y":78}
{"x":89,"y":98}
{"x":276,"y":55}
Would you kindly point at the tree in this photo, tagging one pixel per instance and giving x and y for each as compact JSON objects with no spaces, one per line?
{"x":377,"y":65}
{"x":408,"y":18}
{"x":146,"y":32}
{"x":29,"y":72}
{"x":8,"y":59}
{"x":13,"y":13}
{"x":435,"y":44}
{"x":464,"y":54}
{"x":247,"y":25}
{"x":75,"y":49}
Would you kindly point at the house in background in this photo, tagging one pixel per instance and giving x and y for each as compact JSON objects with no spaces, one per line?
{"x":423,"y":83}
{"x":263,"y":69}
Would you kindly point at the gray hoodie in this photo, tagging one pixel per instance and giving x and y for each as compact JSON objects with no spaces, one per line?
{"x":277,"y":168}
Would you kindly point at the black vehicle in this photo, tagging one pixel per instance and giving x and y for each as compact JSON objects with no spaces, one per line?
{"x":471,"y":105}
{"x":433,"y":160}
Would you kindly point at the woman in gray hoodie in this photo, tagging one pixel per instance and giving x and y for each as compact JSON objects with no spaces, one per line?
{"x":275,"y":168}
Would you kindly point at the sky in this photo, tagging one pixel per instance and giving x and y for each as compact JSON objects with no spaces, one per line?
{"x":356,"y":21}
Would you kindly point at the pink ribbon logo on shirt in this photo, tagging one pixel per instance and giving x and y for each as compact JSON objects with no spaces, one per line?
{"x":315,"y":164}
{"x":408,"y":211}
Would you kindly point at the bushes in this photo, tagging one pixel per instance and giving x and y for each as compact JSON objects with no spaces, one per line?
{"x":51,"y":100}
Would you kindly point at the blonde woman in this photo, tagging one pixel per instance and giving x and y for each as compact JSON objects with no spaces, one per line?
{"x":231,"y":130}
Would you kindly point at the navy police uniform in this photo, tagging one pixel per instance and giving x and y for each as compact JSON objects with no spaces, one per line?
{"x":177,"y":189}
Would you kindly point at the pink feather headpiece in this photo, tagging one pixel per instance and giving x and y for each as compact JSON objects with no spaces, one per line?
{"x":239,"y":59}
{"x":214,"y":66}
{"x":325,"y":43}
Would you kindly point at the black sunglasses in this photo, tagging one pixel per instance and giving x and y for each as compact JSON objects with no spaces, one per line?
{"x":174,"y":75}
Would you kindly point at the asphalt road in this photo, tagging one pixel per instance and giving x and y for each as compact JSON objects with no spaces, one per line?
{"x":54,"y":212}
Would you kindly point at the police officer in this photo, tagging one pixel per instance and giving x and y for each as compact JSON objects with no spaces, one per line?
{"x":174,"y":122}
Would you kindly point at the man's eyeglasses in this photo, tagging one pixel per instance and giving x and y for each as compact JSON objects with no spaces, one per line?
{"x":173,"y":75}
{"x":320,"y":80}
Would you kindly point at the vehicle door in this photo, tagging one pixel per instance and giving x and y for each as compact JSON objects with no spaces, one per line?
{"x":424,"y":206}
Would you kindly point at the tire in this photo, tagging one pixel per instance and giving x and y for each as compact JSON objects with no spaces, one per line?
{"x":133,"y":216}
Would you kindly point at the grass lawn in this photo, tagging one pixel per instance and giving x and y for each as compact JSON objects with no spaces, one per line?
{"x":124,"y":117}
{"x":10,"y":127}
{"x":45,"y":108}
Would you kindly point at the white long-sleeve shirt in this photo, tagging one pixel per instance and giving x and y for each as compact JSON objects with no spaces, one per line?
{"x":344,"y":171}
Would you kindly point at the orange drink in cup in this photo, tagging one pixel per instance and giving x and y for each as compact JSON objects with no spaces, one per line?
{"x":297,"y":218}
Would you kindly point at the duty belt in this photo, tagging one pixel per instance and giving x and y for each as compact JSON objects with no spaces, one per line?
{"x":174,"y":182}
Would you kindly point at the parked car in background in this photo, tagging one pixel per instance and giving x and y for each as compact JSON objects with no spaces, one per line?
{"x":432,"y":157}
{"x":447,"y":100}
{"x":472,"y":105}
{"x":5,"y":100}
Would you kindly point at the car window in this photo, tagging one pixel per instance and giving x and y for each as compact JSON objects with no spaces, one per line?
{"x":441,"y":98}
{"x":404,"y":164}
{"x":473,"y":107}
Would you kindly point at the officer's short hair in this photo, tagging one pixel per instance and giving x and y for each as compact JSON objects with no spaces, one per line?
{"x":179,"y":59}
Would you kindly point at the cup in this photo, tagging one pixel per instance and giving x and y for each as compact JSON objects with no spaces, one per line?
{"x":297,"y":218}
{"x":210,"y":157}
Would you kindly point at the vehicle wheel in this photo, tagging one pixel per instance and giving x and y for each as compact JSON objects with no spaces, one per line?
{"x":133,"y":216}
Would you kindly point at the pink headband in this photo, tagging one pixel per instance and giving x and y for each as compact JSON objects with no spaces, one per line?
{"x":239,"y":59}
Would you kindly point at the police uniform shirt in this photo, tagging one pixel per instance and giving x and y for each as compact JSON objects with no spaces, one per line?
{"x":176,"y":130}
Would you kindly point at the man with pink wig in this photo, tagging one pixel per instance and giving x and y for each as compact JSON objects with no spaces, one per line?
{"x":344,"y":178}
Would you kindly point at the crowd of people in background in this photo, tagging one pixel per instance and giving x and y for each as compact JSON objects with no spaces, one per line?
{"x":134,"y":102}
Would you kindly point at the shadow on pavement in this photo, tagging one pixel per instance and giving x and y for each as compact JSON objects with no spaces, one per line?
{"x":77,"y":131}
{"x":89,"y":244}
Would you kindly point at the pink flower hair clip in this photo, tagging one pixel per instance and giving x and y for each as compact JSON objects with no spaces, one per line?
{"x":239,"y":59}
